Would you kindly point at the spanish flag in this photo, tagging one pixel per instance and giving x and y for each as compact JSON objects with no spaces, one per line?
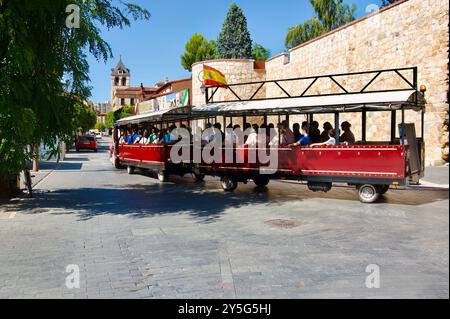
{"x":213,"y":77}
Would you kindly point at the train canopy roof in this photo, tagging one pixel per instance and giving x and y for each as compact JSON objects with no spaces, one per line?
{"x":373,"y":101}
{"x":161,"y":115}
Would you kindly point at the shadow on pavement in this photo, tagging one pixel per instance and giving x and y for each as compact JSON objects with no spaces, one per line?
{"x":204,"y":201}
{"x":140,"y":201}
{"x":61,"y":166}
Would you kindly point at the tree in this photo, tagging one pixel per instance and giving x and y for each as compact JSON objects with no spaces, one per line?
{"x":330,"y":14}
{"x":304,"y":32}
{"x":385,"y":3}
{"x":197,"y":49}
{"x":100,"y":126}
{"x":260,"y":53}
{"x":85,"y":118}
{"x":44,"y":69}
{"x":114,"y":116}
{"x":234,"y":40}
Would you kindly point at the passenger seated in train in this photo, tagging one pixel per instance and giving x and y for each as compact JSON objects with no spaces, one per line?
{"x":123,"y":137}
{"x":132,"y":138}
{"x":170,"y":136}
{"x":347,"y":138}
{"x":330,"y":142}
{"x":237,"y":132}
{"x":287,"y":133}
{"x":218,"y":134}
{"x":314,"y":132}
{"x":207,"y":134}
{"x":264,"y":136}
{"x":144,"y":139}
{"x":252,"y":139}
{"x":305,"y":140}
{"x":229,"y":134}
{"x":325,"y":136}
{"x":153,"y":136}
{"x":296,"y":131}
{"x":163,"y":136}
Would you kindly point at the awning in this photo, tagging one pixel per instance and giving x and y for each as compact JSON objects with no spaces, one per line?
{"x":166,"y":114}
{"x":350,"y":102}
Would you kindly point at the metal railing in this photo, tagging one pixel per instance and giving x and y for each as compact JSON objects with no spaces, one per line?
{"x":210,"y":91}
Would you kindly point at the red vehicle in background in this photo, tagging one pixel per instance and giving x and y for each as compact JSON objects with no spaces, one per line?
{"x":86,"y":142}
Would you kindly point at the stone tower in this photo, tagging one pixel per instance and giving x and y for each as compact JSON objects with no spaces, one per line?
{"x":120,"y":78}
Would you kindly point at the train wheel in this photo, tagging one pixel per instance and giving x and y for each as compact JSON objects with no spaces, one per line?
{"x":229,"y":184}
{"x":383,"y":189}
{"x":117,"y":163}
{"x":368,"y":193}
{"x":130,"y":170}
{"x":162,"y":176}
{"x":261,"y":181}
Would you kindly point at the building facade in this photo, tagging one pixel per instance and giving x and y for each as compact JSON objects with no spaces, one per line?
{"x":101,"y":109}
{"x":122,"y":93}
{"x":169,"y":94}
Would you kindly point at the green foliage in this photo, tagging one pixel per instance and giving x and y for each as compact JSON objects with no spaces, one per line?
{"x":234,"y":40}
{"x":109,"y":120}
{"x":17,"y":127}
{"x":198,"y":49}
{"x":44,"y":69}
{"x":331,"y":14}
{"x":304,"y":32}
{"x":260,"y":53}
{"x":113,"y":116}
{"x":100,"y":126}
{"x":84,"y":117}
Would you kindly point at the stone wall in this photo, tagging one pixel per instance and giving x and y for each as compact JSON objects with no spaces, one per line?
{"x":410,"y":33}
{"x":407,"y":34}
{"x":235,"y":71}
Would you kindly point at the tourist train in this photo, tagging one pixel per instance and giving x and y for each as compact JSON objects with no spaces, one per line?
{"x":372,"y":167}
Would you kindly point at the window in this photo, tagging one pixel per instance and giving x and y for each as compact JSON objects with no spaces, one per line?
{"x":116,"y":81}
{"x":124,"y":81}
{"x":122,"y":101}
{"x":132,"y":102}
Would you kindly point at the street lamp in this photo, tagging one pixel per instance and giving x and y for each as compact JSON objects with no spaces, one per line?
{"x":202,"y":87}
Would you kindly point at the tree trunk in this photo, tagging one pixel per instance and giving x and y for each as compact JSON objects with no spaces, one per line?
{"x":36,"y":158}
{"x":9,"y":185}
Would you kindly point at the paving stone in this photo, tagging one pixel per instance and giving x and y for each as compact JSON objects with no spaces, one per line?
{"x":133,"y":237}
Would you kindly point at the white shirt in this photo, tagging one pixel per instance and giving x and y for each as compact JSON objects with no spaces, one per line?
{"x":252,"y":139}
{"x":330,"y":142}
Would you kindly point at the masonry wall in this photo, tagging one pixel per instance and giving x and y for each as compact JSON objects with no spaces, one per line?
{"x":412,"y":33}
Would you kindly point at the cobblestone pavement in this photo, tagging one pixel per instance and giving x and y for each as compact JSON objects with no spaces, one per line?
{"x":132,"y":237}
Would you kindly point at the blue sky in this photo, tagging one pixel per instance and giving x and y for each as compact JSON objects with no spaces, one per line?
{"x":151,"y":49}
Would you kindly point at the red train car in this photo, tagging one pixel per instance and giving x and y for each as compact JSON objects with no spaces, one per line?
{"x":372,"y":166}
{"x":155,"y":157}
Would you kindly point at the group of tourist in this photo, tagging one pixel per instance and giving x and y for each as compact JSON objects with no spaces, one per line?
{"x":151,"y":135}
{"x":303,"y":135}
{"x":309,"y":134}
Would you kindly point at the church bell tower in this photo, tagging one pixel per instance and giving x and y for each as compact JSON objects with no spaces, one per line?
{"x":120,"y":78}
